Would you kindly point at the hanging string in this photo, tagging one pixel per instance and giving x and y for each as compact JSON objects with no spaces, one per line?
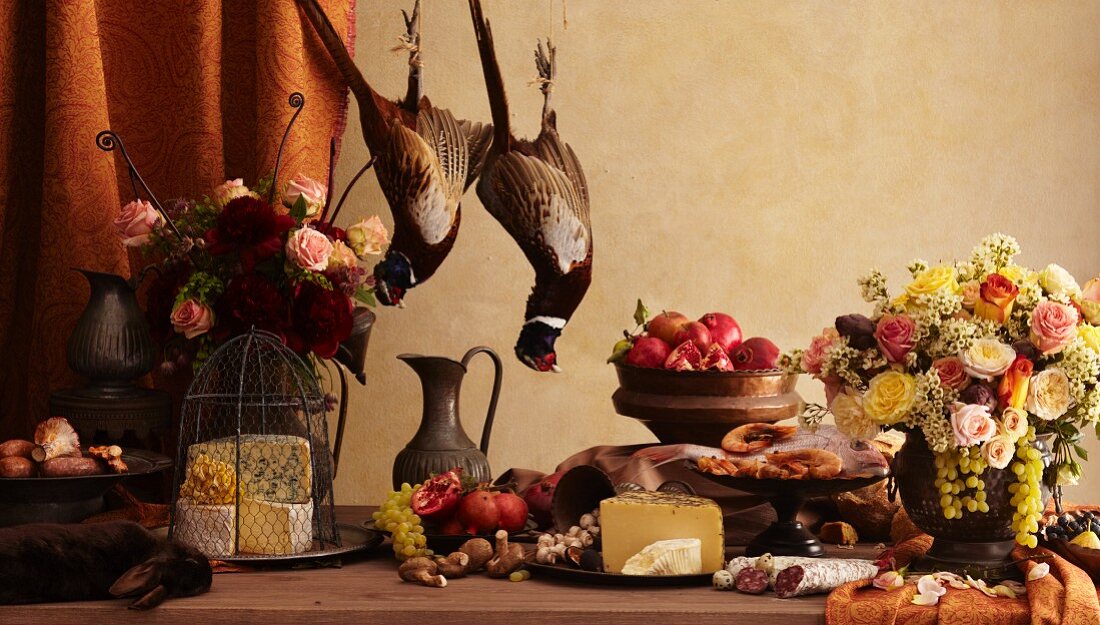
{"x":407,"y":42}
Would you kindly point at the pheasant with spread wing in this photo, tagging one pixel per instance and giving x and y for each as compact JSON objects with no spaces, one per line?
{"x":537,"y":191}
{"x":425,"y":159}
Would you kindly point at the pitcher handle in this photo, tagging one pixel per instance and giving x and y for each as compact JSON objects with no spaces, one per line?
{"x":499,"y":373}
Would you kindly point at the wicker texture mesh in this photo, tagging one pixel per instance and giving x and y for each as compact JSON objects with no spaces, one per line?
{"x":254,"y":468}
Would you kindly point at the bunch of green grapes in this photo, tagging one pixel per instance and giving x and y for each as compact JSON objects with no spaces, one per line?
{"x":959,"y":481}
{"x":1027,"y":491}
{"x":396,"y":517}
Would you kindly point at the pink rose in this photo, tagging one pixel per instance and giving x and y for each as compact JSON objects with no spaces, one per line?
{"x":972,"y":424}
{"x":971,"y":293}
{"x":309,"y":249}
{"x":896,"y":336}
{"x":368,"y":236}
{"x":229,"y":190}
{"x":136,"y":222}
{"x":192,"y":318}
{"x":814,"y":356}
{"x":1053,"y":326}
{"x":308,"y":189}
{"x":952,"y":373}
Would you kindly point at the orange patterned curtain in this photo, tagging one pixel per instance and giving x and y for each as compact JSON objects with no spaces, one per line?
{"x":198,"y":91}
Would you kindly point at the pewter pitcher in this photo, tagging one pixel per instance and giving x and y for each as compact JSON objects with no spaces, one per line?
{"x":440,"y":444}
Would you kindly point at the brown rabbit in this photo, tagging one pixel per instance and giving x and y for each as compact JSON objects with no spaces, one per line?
{"x":45,"y":562}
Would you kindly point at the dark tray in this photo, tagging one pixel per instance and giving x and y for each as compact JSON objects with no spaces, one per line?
{"x":787,"y":536}
{"x":69,"y":499}
{"x":581,"y":576}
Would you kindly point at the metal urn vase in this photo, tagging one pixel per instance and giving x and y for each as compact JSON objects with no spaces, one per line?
{"x":441,"y":444}
{"x":110,"y":344}
{"x":977,"y":544}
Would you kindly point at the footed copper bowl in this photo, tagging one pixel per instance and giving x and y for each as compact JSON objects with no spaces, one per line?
{"x":700,"y":407}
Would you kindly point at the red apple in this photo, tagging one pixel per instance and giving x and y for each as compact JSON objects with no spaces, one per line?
{"x":755,"y":354}
{"x":685,"y":357}
{"x":696,"y":333}
{"x":665,"y":326}
{"x":649,"y":352}
{"x":716,"y":359}
{"x":724,"y":330}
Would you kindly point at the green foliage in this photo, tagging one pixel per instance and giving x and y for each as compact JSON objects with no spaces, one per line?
{"x":299,"y":210}
{"x":365,"y":295}
{"x":202,"y":286}
{"x":641,"y":314}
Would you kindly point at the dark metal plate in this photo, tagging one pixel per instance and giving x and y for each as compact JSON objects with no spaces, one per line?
{"x":353,"y":539}
{"x":580,"y":576}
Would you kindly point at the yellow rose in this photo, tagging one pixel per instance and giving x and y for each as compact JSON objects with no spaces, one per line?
{"x":1090,"y":334}
{"x":1017,"y":273}
{"x":932,"y":280}
{"x":890,"y":396}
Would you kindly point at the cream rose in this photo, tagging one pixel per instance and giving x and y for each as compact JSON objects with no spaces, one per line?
{"x":1057,"y":281}
{"x":1013,"y":423}
{"x":1066,"y":476}
{"x":971,"y":292}
{"x":814,"y":356}
{"x":136,"y":222}
{"x":972,"y":424}
{"x":1048,"y":395}
{"x":998,"y":451}
{"x":192,"y":318}
{"x":309,"y":249}
{"x":342,"y":256}
{"x":986,"y":359}
{"x":230,"y":190}
{"x":849,"y":416}
{"x":890,"y":396}
{"x":1089,"y":300}
{"x":311,"y":191}
{"x":933,"y":279}
{"x":368,"y":236}
{"x":1053,"y":326}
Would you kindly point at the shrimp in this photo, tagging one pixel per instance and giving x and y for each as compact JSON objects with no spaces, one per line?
{"x":816,"y":464}
{"x":756,"y":437}
{"x":737,"y":467}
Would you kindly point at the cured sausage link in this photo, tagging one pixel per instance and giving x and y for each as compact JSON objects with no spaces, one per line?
{"x":821,"y":576}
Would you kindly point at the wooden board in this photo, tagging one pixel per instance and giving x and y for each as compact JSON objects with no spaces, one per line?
{"x":368,"y":591}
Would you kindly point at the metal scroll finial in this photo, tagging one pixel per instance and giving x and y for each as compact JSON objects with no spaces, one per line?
{"x":296,"y":101}
{"x":107,"y":140}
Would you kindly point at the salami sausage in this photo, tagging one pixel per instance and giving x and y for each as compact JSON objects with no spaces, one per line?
{"x":821,"y":576}
{"x":751,"y":581}
{"x":70,"y":467}
{"x":16,"y":447}
{"x":16,"y":466}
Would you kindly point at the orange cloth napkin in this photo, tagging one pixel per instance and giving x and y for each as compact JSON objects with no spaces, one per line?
{"x":1066,"y":596}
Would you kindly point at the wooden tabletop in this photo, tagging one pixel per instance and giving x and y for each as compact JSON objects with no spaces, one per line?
{"x":367,"y":591}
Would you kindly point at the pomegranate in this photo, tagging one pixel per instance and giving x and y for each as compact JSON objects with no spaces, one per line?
{"x":724,"y":330}
{"x":437,"y":499}
{"x":539,"y":498}
{"x":717,"y":359}
{"x":685,"y":357}
{"x":513,"y":512}
{"x":665,"y":326}
{"x":755,"y":354}
{"x":478,"y":513}
{"x":649,"y":352}
{"x":696,"y":333}
{"x":453,"y":527}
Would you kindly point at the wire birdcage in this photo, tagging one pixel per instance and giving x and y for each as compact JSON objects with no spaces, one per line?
{"x":254,"y":469}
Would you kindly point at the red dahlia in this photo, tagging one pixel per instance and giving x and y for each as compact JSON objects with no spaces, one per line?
{"x":251,"y":227}
{"x":321,"y":320}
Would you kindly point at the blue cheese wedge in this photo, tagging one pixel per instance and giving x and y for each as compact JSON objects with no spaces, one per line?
{"x":632,"y":521}
{"x":680,"y":556}
{"x":274,"y":468}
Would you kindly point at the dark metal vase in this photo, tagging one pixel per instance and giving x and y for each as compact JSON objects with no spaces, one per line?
{"x":440,"y":444}
{"x":111,"y":344}
{"x":977,"y":544}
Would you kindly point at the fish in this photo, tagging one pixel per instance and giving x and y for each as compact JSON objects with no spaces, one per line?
{"x":858,"y":457}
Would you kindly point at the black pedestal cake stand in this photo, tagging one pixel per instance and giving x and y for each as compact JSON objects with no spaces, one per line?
{"x":787,"y":536}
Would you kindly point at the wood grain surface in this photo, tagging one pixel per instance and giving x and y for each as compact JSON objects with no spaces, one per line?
{"x":367,"y":591}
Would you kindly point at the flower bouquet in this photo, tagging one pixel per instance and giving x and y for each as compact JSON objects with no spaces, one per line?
{"x":980,"y":359}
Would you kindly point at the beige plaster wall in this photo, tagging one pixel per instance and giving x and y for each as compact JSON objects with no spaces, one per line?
{"x":751,"y":157}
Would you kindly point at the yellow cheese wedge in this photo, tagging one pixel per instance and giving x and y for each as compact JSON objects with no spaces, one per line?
{"x":265,"y":527}
{"x":273,"y":467}
{"x":632,"y":521}
{"x":680,"y":556}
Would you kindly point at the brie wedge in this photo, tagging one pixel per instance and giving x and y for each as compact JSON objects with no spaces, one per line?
{"x":680,"y":556}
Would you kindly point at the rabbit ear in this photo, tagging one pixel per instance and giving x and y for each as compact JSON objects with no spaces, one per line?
{"x":140,"y":579}
{"x":152,"y":599}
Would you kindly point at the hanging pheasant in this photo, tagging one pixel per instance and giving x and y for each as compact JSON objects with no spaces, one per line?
{"x":425,"y":159}
{"x":537,"y":191}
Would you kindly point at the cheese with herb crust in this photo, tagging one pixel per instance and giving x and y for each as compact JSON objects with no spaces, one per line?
{"x":632,"y":521}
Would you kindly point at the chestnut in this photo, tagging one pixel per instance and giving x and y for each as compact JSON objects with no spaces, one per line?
{"x":591,"y":560}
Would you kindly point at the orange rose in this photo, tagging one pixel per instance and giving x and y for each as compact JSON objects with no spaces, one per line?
{"x":1013,"y":389}
{"x":995,"y":298}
